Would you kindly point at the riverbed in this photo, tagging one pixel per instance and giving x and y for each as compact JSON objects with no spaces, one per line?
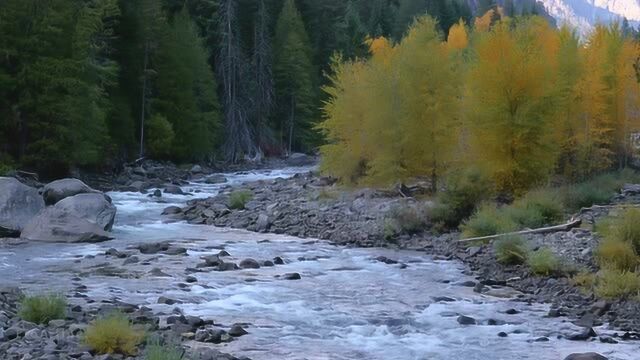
{"x":347,"y":304}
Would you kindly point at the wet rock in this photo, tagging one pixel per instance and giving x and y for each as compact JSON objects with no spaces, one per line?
{"x":386,"y":260}
{"x":249,"y":264}
{"x":466,"y":320}
{"x":263,"y":223}
{"x":167,"y":301}
{"x":468,"y":283}
{"x":227,"y":266}
{"x":196,"y":169}
{"x":115,"y":253}
{"x":237,"y":330}
{"x":156,"y":193}
{"x":173,"y":189}
{"x":19,"y":203}
{"x":158,"y":272}
{"x":175,"y":251}
{"x":608,"y":340}
{"x":278,"y":260}
{"x":268,"y":263}
{"x":292,"y":276}
{"x":216,"y":179}
{"x":541,"y":339}
{"x":223,"y":253}
{"x":502,"y":334}
{"x":512,"y":312}
{"x":191,"y":279}
{"x":442,"y":299}
{"x":586,"y":356}
{"x":92,"y":207}
{"x":53,"y":225}
{"x":213,"y":336}
{"x":131,"y":260}
{"x":172,"y":210}
{"x":153,"y":248}
{"x":582,"y":336}
{"x":600,"y":308}
{"x":61,"y":189}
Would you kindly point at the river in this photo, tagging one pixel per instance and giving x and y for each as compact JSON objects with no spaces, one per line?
{"x":346,"y":306}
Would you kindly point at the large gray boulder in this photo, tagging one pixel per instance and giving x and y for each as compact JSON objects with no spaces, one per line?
{"x":19,"y":203}
{"x":60,"y":189}
{"x":585,"y":356}
{"x":92,"y":207}
{"x":299,"y":159}
{"x":56,"y":225}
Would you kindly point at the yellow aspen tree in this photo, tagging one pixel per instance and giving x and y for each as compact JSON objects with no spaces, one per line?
{"x":428,"y":115}
{"x":458,"y":38}
{"x":510,"y":102}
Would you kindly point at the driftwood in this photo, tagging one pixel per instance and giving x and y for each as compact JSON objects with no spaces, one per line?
{"x":608,"y":207}
{"x":563,"y":227}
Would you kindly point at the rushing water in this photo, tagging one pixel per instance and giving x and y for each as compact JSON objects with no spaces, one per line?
{"x":347,"y":306}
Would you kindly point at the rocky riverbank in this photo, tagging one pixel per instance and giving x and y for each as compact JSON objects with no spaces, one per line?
{"x":311,"y":206}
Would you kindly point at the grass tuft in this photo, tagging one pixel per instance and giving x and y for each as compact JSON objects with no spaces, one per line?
{"x":113,"y":334}
{"x":41,"y":309}
{"x":616,"y":254}
{"x":616,"y":284}
{"x":544,"y":262}
{"x":155,"y":350}
{"x":488,"y":220}
{"x":511,"y":250}
{"x":238,"y":199}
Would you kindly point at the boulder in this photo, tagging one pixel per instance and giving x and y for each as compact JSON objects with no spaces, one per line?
{"x":64,"y":188}
{"x":92,"y":207}
{"x":196,"y":169}
{"x":19,"y":203}
{"x":466,"y":320}
{"x":249,"y":264}
{"x":216,"y":179}
{"x":55,"y":225}
{"x":585,"y":356}
{"x":174,"y":189}
{"x":172,"y":210}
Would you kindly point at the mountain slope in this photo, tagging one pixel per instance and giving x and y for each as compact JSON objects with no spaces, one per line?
{"x":584,"y":14}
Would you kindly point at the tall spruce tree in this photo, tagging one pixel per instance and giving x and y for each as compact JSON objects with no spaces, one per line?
{"x":263,"y":77}
{"x":293,"y":72}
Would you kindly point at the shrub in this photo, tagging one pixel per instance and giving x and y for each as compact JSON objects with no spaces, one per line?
{"x":627,"y":228}
{"x":616,"y":284}
{"x":465,"y":190}
{"x":488,"y":220}
{"x":160,"y":136}
{"x":113,"y":333}
{"x":511,"y":250}
{"x":544,"y":262}
{"x":155,"y":350}
{"x":41,"y":309}
{"x":597,"y":191}
{"x":406,"y":219}
{"x":537,"y":209}
{"x":585,"y":280}
{"x":617,"y":254}
{"x":238,"y":199}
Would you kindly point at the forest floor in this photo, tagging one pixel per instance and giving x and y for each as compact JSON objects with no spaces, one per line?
{"x":311,"y":206}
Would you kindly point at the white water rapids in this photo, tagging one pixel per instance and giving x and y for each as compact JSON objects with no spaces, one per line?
{"x":347,"y":305}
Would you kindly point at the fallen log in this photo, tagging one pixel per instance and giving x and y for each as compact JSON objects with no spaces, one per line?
{"x":573,"y":223}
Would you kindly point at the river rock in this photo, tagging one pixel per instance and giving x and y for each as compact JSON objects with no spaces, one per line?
{"x":92,"y":207}
{"x":216,"y":179}
{"x":19,"y":203}
{"x":249,"y":264}
{"x":172,"y":210}
{"x":586,"y":356}
{"x":263,"y":223}
{"x":196,"y":169}
{"x":237,"y":330}
{"x":213,"y":336}
{"x":466,"y":320}
{"x":582,"y":336}
{"x":299,"y":159}
{"x":60,"y":189}
{"x":54,"y":225}
{"x":292,"y":276}
{"x":173,"y":189}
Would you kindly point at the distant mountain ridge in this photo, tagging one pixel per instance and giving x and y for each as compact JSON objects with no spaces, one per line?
{"x":584,"y":14}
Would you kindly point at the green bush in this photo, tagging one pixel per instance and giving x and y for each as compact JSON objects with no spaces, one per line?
{"x":616,"y":284}
{"x":488,"y":220}
{"x":511,"y":250}
{"x":160,"y":136}
{"x":155,"y":350}
{"x":597,"y":191}
{"x":465,"y":190}
{"x":113,"y":334}
{"x":537,"y":209}
{"x":41,"y":309}
{"x":238,"y":199}
{"x":406,"y":219}
{"x":616,"y":254}
{"x":544,"y":262}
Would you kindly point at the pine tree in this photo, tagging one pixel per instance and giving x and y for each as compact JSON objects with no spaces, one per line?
{"x":293,"y":73}
{"x":262,"y":70}
{"x":185,"y":92}
{"x":353,"y":33}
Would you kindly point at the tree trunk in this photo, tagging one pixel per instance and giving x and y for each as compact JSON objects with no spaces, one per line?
{"x":144,"y":98}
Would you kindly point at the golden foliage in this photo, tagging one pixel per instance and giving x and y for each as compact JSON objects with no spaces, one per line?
{"x":516,"y":97}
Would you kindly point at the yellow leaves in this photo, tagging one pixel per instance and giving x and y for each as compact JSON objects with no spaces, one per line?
{"x":458,"y":38}
{"x":518,"y":98}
